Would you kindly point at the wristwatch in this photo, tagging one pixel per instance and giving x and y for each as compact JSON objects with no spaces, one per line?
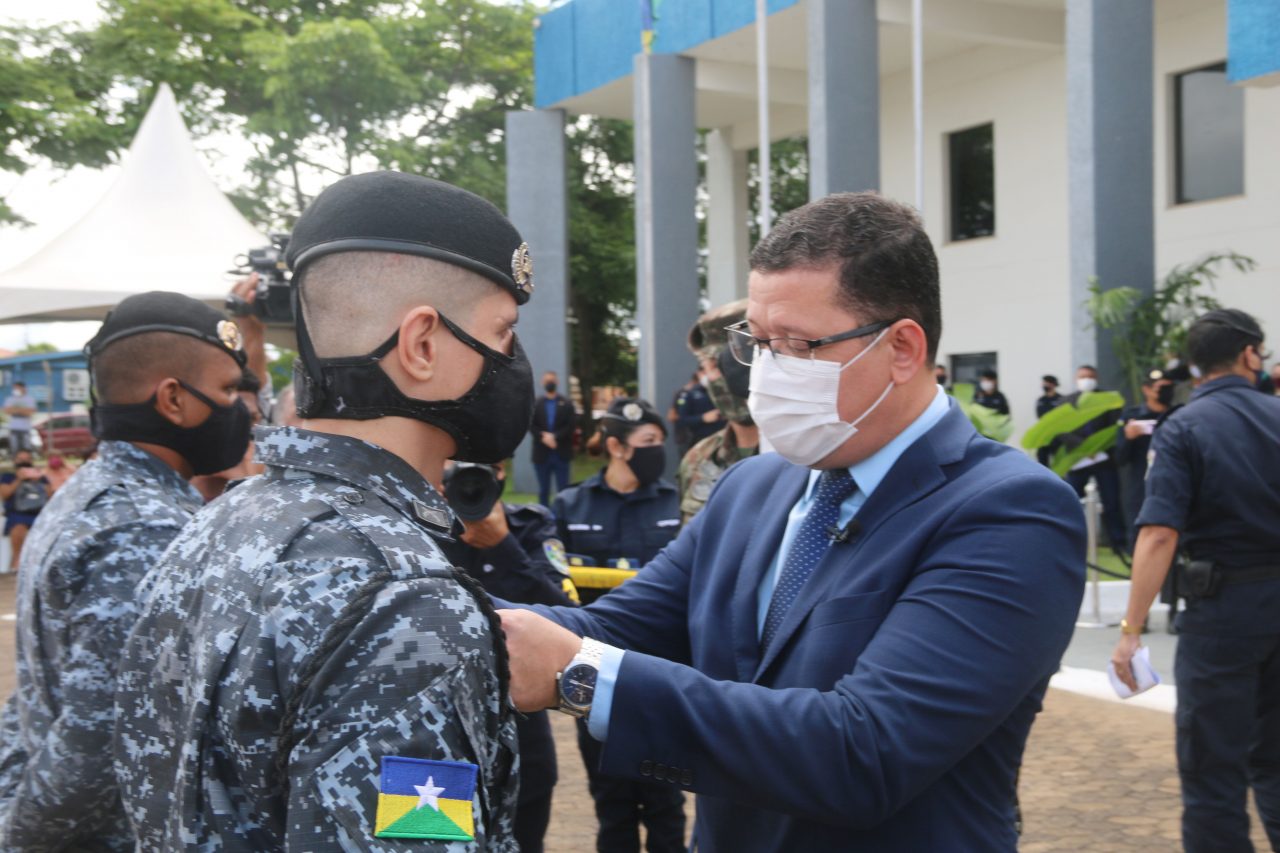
{"x":577,"y":684}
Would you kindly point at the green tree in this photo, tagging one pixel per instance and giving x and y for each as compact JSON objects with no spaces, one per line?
{"x":35,"y":349}
{"x":1146,"y":329}
{"x":321,"y":89}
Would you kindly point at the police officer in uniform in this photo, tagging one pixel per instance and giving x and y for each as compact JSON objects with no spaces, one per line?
{"x":1212,"y":488}
{"x":727,"y":384}
{"x":165,"y":369}
{"x":309,"y":672}
{"x":625,"y":511}
{"x":509,"y":548}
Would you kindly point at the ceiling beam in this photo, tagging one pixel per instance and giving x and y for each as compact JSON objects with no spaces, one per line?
{"x":786,"y":86}
{"x":981,"y":21}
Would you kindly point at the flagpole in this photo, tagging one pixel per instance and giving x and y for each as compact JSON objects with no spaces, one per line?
{"x":762,"y":81}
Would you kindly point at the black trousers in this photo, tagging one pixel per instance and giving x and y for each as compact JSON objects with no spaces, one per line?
{"x":622,"y":804}
{"x":1228,"y":737}
{"x":1108,"y":479}
{"x":537,"y":780}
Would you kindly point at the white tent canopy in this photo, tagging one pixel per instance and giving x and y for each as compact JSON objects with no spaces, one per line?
{"x":163,"y":225}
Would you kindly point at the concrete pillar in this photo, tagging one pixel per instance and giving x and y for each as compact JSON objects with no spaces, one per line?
{"x":1110,"y":163}
{"x":666,"y":226}
{"x":844,"y":97}
{"x":727,"y":247}
{"x":537,"y":202}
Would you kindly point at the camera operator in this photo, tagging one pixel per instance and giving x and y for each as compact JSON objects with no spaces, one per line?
{"x":505,"y":547}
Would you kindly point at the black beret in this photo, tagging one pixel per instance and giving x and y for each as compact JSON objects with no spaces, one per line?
{"x":160,"y":311}
{"x":626,"y":413}
{"x":413,"y":215}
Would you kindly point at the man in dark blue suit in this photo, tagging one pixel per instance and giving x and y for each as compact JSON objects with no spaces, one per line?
{"x":846,"y":648}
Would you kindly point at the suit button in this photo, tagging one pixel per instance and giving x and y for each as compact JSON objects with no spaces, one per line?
{"x":673,"y":774}
{"x":686,"y":778}
{"x":659,"y":770}
{"x":646,"y":768}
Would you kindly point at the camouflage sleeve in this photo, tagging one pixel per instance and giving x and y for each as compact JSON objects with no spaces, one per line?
{"x":67,"y":792}
{"x":410,"y":688}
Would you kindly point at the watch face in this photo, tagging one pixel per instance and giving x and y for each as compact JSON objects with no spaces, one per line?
{"x":578,"y":685}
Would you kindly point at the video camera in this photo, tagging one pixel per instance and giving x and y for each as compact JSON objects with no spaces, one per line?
{"x":273,"y":303}
{"x":472,"y":490}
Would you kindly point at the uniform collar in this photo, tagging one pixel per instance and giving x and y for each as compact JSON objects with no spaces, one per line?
{"x":125,"y":457}
{"x":358,"y":463}
{"x":597,"y":481}
{"x":1231,"y":381}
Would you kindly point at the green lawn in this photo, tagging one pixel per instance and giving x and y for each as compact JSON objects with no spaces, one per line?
{"x":1108,"y":560}
{"x":582,"y":467}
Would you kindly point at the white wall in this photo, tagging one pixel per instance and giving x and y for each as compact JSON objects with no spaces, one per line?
{"x":1009,"y":293}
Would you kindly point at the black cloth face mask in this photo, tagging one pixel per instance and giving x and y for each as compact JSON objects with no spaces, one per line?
{"x":1164,"y":395}
{"x":550,"y":387}
{"x":213,"y":446}
{"x":648,"y":463}
{"x":487,"y":423}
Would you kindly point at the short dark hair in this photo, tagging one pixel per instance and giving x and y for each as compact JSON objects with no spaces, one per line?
{"x":20,"y":382}
{"x":1049,"y":377}
{"x":1216,"y":339}
{"x":987,"y":374}
{"x":1086,"y":367}
{"x":888,"y":269}
{"x":123,"y":370}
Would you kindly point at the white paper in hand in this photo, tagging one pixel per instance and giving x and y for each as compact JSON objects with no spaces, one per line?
{"x":1143,"y":673}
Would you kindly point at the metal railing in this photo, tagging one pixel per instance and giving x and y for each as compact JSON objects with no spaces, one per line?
{"x":1092,"y":516}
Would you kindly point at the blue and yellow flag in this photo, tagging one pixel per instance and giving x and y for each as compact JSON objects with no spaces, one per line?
{"x":425,"y":799}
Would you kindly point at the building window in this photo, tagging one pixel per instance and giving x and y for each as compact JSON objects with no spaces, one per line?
{"x":1209,"y":135}
{"x":968,"y":367}
{"x":971,"y":164}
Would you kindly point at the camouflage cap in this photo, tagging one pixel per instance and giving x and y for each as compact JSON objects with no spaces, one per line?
{"x":707,"y":338}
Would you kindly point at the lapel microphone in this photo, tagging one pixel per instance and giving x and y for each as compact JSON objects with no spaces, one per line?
{"x":850,"y":530}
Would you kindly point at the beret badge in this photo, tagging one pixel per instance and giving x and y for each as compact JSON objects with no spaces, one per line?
{"x":229,"y":334}
{"x":522,"y":268}
{"x":632,"y":412}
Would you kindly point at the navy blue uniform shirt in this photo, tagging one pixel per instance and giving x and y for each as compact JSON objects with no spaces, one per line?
{"x":1214,"y":474}
{"x":595,"y":521}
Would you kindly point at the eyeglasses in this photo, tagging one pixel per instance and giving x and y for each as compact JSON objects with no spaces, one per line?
{"x":744,"y":345}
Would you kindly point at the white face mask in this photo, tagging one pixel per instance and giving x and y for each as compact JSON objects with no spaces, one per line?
{"x":987,"y":385}
{"x":1087,"y":385}
{"x":796,"y":407}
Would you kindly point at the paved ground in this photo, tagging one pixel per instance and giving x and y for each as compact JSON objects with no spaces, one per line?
{"x":1098,"y":776}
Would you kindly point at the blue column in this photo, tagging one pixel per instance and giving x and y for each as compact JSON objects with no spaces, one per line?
{"x":1109,"y":143}
{"x":844,"y":97}
{"x":537,"y":202}
{"x":666,"y":227}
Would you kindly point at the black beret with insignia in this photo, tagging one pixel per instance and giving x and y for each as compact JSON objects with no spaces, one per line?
{"x":413,"y":215}
{"x":160,"y":311}
{"x":625,"y":414}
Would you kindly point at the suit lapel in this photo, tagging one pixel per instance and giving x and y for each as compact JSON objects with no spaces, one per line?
{"x":915,"y":475}
{"x":756,"y":559}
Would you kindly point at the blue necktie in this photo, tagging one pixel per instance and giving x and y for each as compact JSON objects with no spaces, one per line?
{"x":810,"y":545}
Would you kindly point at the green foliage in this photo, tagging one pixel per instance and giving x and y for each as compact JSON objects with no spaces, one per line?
{"x":789,"y":180}
{"x":1147,"y":329}
{"x":986,"y":420}
{"x":602,"y":259}
{"x":34,"y":349}
{"x":322,"y":88}
{"x":281,"y":369}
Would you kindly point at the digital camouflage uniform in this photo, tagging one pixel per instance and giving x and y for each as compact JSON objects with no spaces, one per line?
{"x":702,"y":466}
{"x":302,"y":628}
{"x":90,"y":547}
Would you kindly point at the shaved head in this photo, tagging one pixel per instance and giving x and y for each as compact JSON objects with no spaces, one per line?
{"x":353,"y":301}
{"x":129,"y":370}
